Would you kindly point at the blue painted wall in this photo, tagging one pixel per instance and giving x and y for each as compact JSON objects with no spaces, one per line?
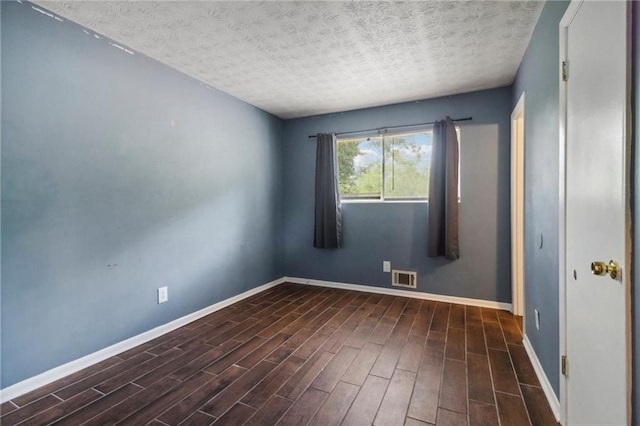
{"x":538,"y":78}
{"x":103,"y":200}
{"x":397,"y":231}
{"x":635,"y":94}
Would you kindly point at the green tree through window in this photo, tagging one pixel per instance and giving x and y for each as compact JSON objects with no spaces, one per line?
{"x":393,"y":167}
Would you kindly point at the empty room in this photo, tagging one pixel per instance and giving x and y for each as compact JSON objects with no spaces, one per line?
{"x":318,"y":212}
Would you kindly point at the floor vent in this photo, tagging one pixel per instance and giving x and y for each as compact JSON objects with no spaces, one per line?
{"x":404,"y":279}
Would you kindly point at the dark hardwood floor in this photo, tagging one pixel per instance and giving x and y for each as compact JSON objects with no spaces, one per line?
{"x":296,"y":355}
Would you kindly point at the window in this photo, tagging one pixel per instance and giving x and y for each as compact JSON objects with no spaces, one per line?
{"x":386,"y":168}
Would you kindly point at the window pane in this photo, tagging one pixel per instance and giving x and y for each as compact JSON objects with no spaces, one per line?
{"x":407,"y":162}
{"x":360,"y":168}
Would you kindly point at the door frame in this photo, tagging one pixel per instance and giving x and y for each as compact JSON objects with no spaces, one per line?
{"x":568,"y":16}
{"x":566,"y":20}
{"x":517,"y":209}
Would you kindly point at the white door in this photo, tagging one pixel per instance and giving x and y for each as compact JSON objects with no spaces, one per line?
{"x":597,"y":213}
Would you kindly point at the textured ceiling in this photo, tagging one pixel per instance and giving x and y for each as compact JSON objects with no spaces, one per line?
{"x":297,"y":59}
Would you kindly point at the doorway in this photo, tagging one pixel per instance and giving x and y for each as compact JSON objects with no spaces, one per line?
{"x":517,"y":208}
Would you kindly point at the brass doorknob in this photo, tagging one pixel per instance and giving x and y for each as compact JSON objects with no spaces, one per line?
{"x":601,"y":268}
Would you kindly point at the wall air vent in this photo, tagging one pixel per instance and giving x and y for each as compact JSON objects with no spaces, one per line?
{"x":404,"y":279}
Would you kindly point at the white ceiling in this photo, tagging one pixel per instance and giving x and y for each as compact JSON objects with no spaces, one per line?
{"x":304,"y":58}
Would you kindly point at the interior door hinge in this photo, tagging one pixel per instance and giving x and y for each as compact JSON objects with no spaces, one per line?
{"x":564,"y":365}
{"x":564,"y":71}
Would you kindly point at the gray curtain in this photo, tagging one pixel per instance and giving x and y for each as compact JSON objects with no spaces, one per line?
{"x":328,"y":215}
{"x":442,"y":238}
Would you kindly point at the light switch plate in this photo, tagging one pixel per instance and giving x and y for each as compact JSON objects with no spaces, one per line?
{"x":386,"y":266}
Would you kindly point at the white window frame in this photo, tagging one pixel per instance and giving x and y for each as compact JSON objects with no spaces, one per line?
{"x":382,"y":198}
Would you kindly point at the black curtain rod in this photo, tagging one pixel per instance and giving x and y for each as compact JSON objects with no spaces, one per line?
{"x":379,"y":129}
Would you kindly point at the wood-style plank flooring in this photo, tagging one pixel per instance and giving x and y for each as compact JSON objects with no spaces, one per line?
{"x":297,"y":355}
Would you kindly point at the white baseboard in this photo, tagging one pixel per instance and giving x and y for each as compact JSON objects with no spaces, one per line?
{"x":542,"y":377}
{"x":71,"y":367}
{"x":56,"y":373}
{"x":403,"y":293}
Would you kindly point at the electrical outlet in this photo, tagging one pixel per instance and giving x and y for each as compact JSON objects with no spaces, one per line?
{"x":163,"y":294}
{"x":386,"y":266}
{"x":537,"y":318}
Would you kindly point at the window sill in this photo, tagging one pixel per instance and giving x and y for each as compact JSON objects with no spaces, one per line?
{"x":384,"y":201}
